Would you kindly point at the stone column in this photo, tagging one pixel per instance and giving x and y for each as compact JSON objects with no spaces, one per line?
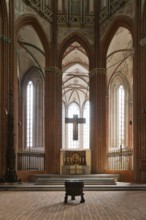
{"x":10,"y":175}
{"x":53,"y":115}
{"x":53,"y":102}
{"x":98,"y":119}
{"x":4,"y":69}
{"x":139,"y":100}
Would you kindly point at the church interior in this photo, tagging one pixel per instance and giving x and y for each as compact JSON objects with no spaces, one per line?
{"x":72,"y":109}
{"x":72,"y":89}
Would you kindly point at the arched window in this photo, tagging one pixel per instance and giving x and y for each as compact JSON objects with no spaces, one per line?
{"x":33,"y":111}
{"x":119,"y":65}
{"x":86,"y":127}
{"x":75,"y":93}
{"x":73,"y":109}
{"x":63,"y":126}
{"x":29,"y":114}
{"x":121,"y":115}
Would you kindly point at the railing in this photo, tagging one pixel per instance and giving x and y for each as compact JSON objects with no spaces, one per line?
{"x":30,"y":160}
{"x":41,"y":8}
{"x":108,"y":11}
{"x":75,"y":19}
{"x":121,"y":159}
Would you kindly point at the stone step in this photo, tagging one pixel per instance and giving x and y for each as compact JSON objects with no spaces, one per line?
{"x":92,"y":179}
{"x":32,"y":187}
{"x":60,"y":181}
{"x":34,"y":177}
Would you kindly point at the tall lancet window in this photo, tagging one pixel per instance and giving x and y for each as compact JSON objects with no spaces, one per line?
{"x":73,"y":109}
{"x":119,"y":78}
{"x":63,"y":126}
{"x":75,"y":93}
{"x":86,"y":127}
{"x":29,"y":114}
{"x":118,"y":114}
{"x":33,"y":111}
{"x":121,"y":115}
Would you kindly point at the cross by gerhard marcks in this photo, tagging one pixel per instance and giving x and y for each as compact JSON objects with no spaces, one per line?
{"x":75,"y":121}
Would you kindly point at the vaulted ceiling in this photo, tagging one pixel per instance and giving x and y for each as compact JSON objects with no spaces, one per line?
{"x":75,"y":65}
{"x":120,"y":55}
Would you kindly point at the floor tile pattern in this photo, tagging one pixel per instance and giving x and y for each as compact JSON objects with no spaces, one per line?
{"x":99,"y":205}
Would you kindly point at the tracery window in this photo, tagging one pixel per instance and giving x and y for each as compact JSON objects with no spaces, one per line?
{"x":83,"y":129}
{"x":86,"y":126}
{"x":75,"y":96}
{"x":118,"y":114}
{"x":73,"y":109}
{"x":29,"y":114}
{"x":121,"y":115}
{"x":63,"y":126}
{"x":33,"y":111}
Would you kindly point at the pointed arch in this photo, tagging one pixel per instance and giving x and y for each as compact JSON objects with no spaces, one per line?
{"x":116,"y":83}
{"x":31,"y":73}
{"x":79,"y":38}
{"x":120,"y":78}
{"x":119,"y":21}
{"x":29,"y":19}
{"x":75,"y":79}
{"x":34,"y":101}
{"x":124,"y":52}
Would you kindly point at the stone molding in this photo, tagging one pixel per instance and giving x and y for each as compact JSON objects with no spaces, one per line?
{"x":97,"y":71}
{"x":4,"y":38}
{"x":143,"y":42}
{"x":53,"y":69}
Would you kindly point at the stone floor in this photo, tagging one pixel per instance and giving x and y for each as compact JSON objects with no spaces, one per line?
{"x":49,"y":205}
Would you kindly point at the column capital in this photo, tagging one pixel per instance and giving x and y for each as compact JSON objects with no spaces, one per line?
{"x":53,"y":69}
{"x":97,"y":71}
{"x":4,"y":38}
{"x":143,"y":42}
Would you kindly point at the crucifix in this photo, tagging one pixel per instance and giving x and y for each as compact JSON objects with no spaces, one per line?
{"x":75,"y":121}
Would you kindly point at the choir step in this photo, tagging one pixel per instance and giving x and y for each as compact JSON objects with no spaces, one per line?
{"x":88,"y":179}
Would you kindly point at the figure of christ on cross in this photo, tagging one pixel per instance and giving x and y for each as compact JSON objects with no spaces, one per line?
{"x":75,"y":121}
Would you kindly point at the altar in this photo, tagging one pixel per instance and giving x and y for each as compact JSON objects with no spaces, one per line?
{"x":75,"y":161}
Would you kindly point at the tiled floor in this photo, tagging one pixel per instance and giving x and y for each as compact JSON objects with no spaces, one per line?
{"x":99,"y":205}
